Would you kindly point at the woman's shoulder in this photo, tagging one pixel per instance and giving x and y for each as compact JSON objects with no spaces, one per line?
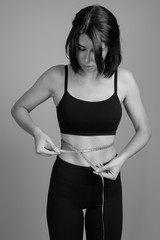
{"x":54,"y":76}
{"x":127,"y":82}
{"x":56,"y":72}
{"x":126,"y":78}
{"x":52,"y":79}
{"x":125,"y":75}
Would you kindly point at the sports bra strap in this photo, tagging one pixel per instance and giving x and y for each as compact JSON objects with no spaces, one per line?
{"x":115,"y":82}
{"x":66,"y":78}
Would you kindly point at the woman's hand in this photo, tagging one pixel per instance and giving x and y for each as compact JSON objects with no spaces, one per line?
{"x":44,"y":145}
{"x":111,"y":169}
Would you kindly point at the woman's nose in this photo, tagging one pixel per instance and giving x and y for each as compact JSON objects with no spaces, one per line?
{"x":89,"y":56}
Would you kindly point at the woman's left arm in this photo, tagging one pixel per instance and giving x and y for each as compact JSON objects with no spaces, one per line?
{"x":136,"y":112}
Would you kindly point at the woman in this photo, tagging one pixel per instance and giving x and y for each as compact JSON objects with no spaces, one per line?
{"x":88,"y":94}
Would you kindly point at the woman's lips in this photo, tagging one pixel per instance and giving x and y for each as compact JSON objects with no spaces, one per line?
{"x":88,"y":67}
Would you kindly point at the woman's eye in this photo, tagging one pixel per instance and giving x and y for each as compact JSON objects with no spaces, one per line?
{"x":81,"y":49}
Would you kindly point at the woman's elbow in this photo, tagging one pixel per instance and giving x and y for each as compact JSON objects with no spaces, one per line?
{"x":13,"y":111}
{"x":147,"y":133}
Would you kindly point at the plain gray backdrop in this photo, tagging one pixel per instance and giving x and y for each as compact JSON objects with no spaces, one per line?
{"x":33,"y":35}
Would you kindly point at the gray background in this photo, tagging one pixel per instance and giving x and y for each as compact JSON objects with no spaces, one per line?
{"x":33,"y":35}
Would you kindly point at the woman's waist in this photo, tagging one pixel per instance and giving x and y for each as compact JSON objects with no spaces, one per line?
{"x":93,"y":158}
{"x":87,"y":152}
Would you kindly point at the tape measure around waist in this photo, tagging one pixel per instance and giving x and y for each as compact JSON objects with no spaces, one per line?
{"x":81,"y":152}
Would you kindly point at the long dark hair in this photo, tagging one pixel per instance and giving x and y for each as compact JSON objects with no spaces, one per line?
{"x":101,"y":26}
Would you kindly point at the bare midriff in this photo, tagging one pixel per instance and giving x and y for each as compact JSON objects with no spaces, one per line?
{"x":89,"y":142}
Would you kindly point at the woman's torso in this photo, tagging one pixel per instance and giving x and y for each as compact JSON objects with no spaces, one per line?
{"x":77,"y":91}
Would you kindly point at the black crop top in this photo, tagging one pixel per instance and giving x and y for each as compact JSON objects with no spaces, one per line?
{"x":86,"y":118}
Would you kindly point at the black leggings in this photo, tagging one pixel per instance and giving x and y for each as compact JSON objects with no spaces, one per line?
{"x":75,"y":188}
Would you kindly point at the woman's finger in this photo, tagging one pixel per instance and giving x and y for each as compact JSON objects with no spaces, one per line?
{"x":53,"y":147}
{"x":108,"y":175}
{"x":45,"y":152}
{"x":102,"y":168}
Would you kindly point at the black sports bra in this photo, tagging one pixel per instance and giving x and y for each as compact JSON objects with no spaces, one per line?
{"x":80,"y":117}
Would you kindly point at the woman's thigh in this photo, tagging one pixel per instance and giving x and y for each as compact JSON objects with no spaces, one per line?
{"x":69,"y":193}
{"x":65,"y":219}
{"x":110,"y":225}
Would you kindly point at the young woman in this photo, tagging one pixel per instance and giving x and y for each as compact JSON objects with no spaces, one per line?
{"x":88,"y":94}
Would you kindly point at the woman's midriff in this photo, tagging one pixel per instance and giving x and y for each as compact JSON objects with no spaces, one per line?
{"x":89,"y":142}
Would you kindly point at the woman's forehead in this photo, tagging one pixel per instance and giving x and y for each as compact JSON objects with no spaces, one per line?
{"x":85,"y":40}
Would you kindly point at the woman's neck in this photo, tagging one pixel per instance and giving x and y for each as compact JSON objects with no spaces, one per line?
{"x":90,"y":76}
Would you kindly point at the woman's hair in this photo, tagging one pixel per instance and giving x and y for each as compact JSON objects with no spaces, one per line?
{"x":100,"y":25}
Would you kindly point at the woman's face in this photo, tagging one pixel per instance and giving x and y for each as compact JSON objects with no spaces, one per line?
{"x":85,"y":53}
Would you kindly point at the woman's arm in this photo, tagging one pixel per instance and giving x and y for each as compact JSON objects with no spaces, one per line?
{"x":136,"y":112}
{"x":43,"y":89}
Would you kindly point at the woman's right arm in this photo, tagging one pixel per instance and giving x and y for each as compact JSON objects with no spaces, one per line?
{"x":43,"y":89}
